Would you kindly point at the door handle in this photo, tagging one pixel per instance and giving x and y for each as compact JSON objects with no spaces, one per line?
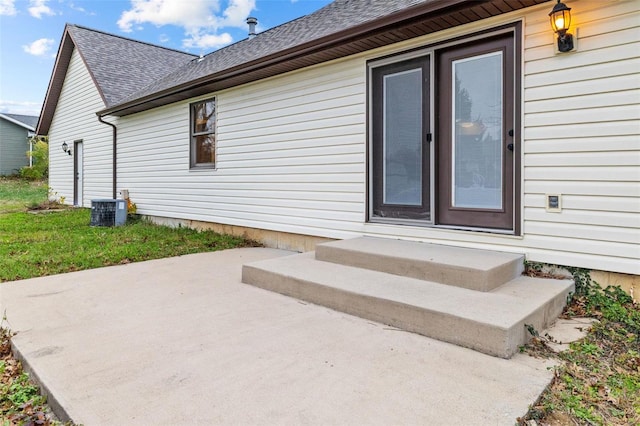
{"x":510,"y":147}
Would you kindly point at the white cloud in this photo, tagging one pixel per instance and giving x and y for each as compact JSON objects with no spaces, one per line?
{"x":39,"y":47}
{"x":207,"y":41}
{"x":237,"y":12}
{"x":202,"y":19}
{"x":20,"y":107}
{"x":7,"y":7}
{"x":169,"y":12}
{"x":81,"y":9}
{"x":39,"y":8}
{"x":77,"y":8}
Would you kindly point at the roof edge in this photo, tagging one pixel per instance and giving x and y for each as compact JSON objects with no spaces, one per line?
{"x":19,"y":123}
{"x":133,"y":40}
{"x":61,"y":67}
{"x":63,"y":58}
{"x":318,"y":44}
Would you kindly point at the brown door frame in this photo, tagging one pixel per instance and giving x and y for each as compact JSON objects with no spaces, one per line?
{"x":397,"y":211}
{"x":433,"y":50}
{"x":506,"y":218}
{"x":77,"y":167}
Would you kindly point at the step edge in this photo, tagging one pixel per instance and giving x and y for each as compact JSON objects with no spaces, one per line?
{"x":338,"y":244}
{"x":489,"y":279}
{"x":495,"y":330}
{"x":494,"y":299}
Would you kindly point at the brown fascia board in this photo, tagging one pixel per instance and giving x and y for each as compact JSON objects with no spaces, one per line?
{"x":436,"y":7}
{"x":65,"y":51}
{"x":63,"y":58}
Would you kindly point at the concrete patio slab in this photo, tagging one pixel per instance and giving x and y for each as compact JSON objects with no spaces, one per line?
{"x":568,"y":330}
{"x":182,"y":341}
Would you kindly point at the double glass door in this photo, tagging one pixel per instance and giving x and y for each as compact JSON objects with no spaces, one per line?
{"x":472,"y":144}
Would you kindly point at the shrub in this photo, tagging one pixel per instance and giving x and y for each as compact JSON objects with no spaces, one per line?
{"x":40,"y":157}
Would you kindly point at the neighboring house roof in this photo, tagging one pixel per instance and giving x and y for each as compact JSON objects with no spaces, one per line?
{"x":342,"y":28}
{"x":119,"y":66}
{"x":27,"y":121}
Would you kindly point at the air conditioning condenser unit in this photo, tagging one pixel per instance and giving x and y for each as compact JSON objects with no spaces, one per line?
{"x":108,"y":212}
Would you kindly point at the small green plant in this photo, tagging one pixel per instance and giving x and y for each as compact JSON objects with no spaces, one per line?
{"x":131,"y":207}
{"x":20,"y":400}
{"x":22,"y":391}
{"x":581,"y":277}
{"x":598,"y":382}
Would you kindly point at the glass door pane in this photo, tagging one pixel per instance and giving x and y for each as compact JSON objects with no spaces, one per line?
{"x":402,"y":140}
{"x":477,"y":130}
{"x":400,"y":155}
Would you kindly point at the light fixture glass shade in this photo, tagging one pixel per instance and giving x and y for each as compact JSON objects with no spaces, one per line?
{"x":65,"y":147}
{"x":560,"y":18}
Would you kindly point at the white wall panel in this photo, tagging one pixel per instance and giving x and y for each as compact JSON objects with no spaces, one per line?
{"x":75,"y":119}
{"x":290,"y":155}
{"x":291,"y":152}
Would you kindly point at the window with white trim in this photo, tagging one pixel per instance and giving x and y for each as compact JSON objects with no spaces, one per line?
{"x":203,"y":134}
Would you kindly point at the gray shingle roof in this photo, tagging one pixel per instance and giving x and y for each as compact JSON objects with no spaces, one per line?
{"x":134,"y":76}
{"x":122,"y":66}
{"x":28,"y":120}
{"x":335,"y":17}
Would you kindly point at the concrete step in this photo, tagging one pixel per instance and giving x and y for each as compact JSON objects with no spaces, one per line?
{"x":480,"y":270}
{"x":489,"y":322}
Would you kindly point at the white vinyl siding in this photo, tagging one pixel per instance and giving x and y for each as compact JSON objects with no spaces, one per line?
{"x":290,"y":156}
{"x":291,"y":152}
{"x":75,"y":119}
{"x":581,"y":128}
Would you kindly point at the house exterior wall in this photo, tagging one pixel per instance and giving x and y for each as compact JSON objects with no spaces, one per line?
{"x":290,"y":156}
{"x":13,"y":147}
{"x":292,"y":149}
{"x":75,"y":119}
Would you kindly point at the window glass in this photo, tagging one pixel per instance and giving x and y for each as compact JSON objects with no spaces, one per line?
{"x":402,"y":138}
{"x":477,"y":129}
{"x":203,"y":133}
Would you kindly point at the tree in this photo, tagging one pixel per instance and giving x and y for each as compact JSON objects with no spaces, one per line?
{"x":40,"y":157}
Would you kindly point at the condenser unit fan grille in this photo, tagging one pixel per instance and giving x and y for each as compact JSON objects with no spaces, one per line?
{"x":108,"y":212}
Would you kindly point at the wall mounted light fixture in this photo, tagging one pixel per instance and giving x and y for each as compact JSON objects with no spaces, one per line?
{"x":560,"y":17}
{"x":66,"y":148}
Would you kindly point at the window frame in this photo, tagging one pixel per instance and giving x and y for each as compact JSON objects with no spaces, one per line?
{"x":193,"y":135}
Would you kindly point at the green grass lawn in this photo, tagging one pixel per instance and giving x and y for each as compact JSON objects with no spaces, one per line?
{"x":16,"y":195}
{"x":53,"y":242}
{"x":35,"y":245}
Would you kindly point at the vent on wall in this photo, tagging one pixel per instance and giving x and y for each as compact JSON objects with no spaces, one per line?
{"x":108,"y":212}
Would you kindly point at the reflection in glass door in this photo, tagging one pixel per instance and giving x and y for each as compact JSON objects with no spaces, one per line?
{"x":477,"y":131}
{"x":475,"y":135}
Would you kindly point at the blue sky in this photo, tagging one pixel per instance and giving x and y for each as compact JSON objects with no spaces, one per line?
{"x":30,"y":32}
